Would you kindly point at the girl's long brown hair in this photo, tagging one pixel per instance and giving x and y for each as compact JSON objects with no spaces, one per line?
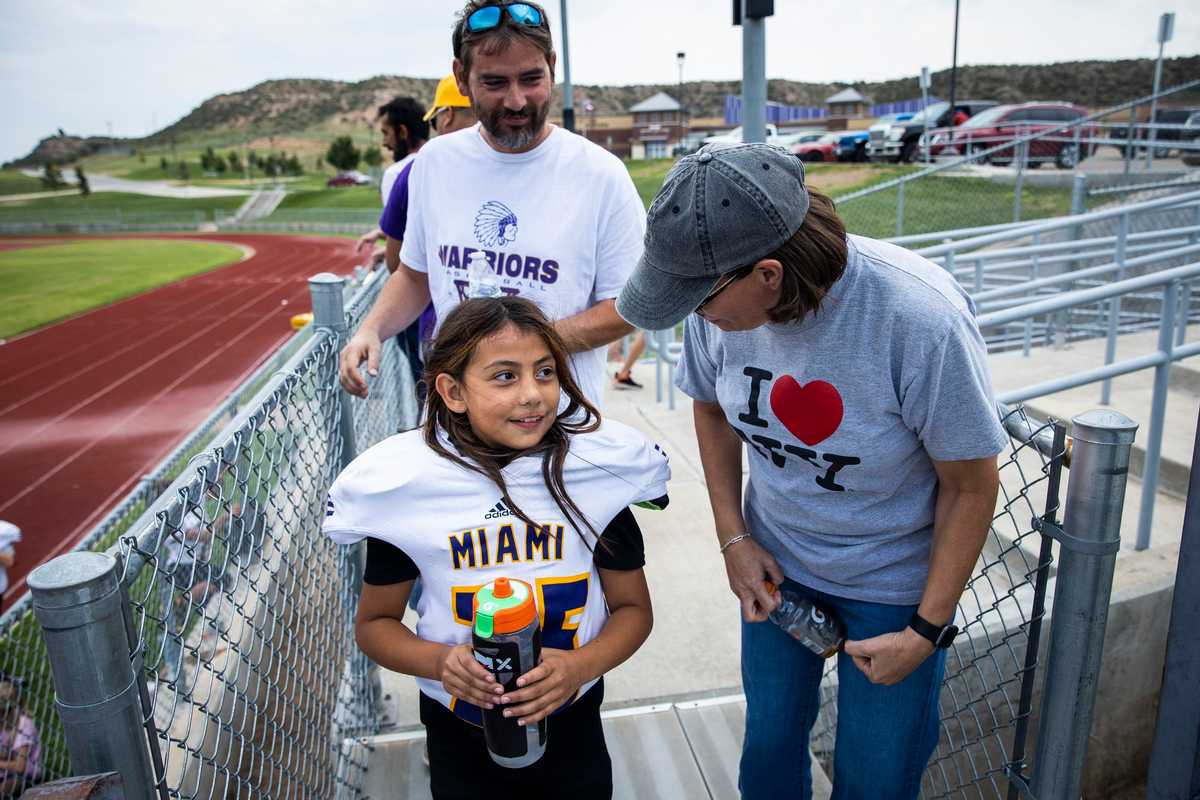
{"x":461,"y":332}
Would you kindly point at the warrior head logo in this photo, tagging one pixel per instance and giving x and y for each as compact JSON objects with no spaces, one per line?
{"x":495,"y":224}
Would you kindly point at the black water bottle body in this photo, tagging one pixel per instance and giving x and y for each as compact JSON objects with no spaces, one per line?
{"x":508,"y":656}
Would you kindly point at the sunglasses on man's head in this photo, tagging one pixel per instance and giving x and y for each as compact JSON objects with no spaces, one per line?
{"x":489,"y":17}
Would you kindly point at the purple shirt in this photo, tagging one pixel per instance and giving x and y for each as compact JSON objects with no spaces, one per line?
{"x":394,"y":223}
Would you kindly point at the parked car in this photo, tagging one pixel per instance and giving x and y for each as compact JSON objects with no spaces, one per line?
{"x":899,"y":141}
{"x":999,"y":125}
{"x":350,"y":178}
{"x":1191,"y":135}
{"x":1164,"y":138}
{"x":852,"y":146}
{"x":690,"y":143}
{"x":735,"y":136}
{"x":792,"y":138}
{"x":823,"y":148}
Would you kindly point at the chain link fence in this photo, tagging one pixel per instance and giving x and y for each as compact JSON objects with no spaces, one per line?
{"x":987,"y":692}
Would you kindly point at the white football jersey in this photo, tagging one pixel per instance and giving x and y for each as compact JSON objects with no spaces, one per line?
{"x":453,"y":524}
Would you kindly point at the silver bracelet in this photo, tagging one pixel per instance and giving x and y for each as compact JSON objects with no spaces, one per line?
{"x":734,"y":541}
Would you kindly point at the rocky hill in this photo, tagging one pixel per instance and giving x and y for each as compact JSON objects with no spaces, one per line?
{"x":281,"y":107}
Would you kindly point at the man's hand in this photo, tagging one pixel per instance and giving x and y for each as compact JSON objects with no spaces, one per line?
{"x":366,"y":240}
{"x":364,"y":346}
{"x":888,"y":659}
{"x":545,"y":687}
{"x":465,"y":678}
{"x":749,"y":567}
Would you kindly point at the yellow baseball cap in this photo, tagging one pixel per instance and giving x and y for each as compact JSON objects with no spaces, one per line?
{"x":447,"y":96}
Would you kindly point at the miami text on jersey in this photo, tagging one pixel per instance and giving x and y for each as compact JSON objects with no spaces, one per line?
{"x":484,"y":547}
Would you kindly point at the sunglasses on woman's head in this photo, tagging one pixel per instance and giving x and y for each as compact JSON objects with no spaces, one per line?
{"x":489,"y":17}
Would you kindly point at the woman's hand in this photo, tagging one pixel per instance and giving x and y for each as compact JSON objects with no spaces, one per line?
{"x":544,"y":688}
{"x":749,"y":567}
{"x":888,"y":659}
{"x":465,"y":678}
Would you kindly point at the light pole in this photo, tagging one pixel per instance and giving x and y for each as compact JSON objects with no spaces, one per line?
{"x":568,"y":92}
{"x":751,"y":15}
{"x":924,"y":116}
{"x":679,"y":59}
{"x":954,"y":63}
{"x":1166,"y":27}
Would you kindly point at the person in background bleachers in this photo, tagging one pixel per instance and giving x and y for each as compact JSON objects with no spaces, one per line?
{"x":10,"y":534}
{"x":20,"y":746}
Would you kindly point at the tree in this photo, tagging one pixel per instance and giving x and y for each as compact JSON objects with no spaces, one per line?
{"x":235,"y":161}
{"x":52,"y":177}
{"x":85,"y":188}
{"x":293,"y":166}
{"x":163,"y":164}
{"x":372,"y":158}
{"x":342,"y":154}
{"x":184,"y":174}
{"x":218,"y":164}
{"x":252,"y":158}
{"x":208,"y":160}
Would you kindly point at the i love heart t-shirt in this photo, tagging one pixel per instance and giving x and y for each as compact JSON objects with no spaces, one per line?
{"x":842,"y":413}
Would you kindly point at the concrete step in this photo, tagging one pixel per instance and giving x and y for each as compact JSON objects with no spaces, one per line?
{"x":671,"y":750}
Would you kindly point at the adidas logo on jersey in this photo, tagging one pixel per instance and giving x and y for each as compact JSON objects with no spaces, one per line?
{"x":499,"y":510}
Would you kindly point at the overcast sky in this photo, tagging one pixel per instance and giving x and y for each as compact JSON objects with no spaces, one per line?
{"x":137,"y":65}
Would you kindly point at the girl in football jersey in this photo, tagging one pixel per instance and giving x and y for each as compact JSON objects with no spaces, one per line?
{"x":512,"y":475}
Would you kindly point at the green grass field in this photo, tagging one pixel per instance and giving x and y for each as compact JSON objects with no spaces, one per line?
{"x":338,"y":197}
{"x":43,"y":284}
{"x":14,"y":182}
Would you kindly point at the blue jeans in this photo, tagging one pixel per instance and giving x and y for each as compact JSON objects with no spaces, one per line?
{"x":885,"y":734}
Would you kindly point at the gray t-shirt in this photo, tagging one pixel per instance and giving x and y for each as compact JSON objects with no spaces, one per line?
{"x":842,"y":413}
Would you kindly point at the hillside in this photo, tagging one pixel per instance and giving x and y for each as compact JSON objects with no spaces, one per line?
{"x":294,"y":106}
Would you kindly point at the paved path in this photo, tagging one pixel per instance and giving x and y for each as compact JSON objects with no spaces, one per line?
{"x":107,"y":183}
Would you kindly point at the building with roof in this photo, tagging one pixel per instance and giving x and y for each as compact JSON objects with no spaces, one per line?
{"x":659,"y":123}
{"x":848,"y":103}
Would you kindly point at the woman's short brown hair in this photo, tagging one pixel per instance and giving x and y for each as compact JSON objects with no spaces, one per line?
{"x":496,"y":40}
{"x":813,"y":259}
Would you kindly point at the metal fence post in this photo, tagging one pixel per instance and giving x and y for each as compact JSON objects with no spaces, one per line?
{"x":79,"y":603}
{"x":1079,"y":194}
{"x":1021,"y":154}
{"x":329,"y":313}
{"x":1158,"y":413}
{"x":1175,"y":759}
{"x":900,"y":208}
{"x":1089,"y":540}
{"x":1114,"y":307}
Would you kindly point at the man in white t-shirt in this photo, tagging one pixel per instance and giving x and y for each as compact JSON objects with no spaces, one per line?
{"x":404,"y":128}
{"x":557,"y":217}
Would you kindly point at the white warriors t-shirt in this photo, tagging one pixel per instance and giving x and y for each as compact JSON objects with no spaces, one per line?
{"x":562,"y":225}
{"x":455,"y":527}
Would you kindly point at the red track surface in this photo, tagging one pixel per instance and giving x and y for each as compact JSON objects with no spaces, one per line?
{"x":90,"y":405}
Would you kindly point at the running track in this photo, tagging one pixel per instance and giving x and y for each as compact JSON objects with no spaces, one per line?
{"x":90,"y":405}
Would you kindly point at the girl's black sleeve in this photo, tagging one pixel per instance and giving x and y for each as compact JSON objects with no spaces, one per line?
{"x":621,"y":546}
{"x":387,"y":564}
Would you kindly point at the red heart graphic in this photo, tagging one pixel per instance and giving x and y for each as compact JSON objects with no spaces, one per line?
{"x":812,"y":413}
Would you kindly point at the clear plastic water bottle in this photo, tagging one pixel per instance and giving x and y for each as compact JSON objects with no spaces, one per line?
{"x":481,"y":280}
{"x":814,"y":626}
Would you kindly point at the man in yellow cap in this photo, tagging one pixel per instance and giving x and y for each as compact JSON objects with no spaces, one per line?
{"x":451,"y":110}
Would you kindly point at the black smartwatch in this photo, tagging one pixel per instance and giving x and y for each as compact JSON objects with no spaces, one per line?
{"x":939,"y":636}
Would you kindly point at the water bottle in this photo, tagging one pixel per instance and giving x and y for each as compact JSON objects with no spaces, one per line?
{"x":508,"y":642}
{"x":481,"y":280}
{"x":814,"y":626}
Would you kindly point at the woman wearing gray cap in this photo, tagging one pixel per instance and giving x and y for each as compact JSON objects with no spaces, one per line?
{"x":856,"y":375}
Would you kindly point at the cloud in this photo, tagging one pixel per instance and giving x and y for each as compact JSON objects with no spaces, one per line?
{"x":136,"y":62}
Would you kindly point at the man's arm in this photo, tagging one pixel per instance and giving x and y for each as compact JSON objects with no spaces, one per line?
{"x":391,"y":253}
{"x":966,"y":500}
{"x":593,"y":327}
{"x":400,"y":302}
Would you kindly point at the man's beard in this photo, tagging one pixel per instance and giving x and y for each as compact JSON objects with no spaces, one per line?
{"x":515,"y":138}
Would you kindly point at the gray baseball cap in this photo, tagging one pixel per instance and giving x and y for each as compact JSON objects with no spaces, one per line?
{"x":719,"y":210}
